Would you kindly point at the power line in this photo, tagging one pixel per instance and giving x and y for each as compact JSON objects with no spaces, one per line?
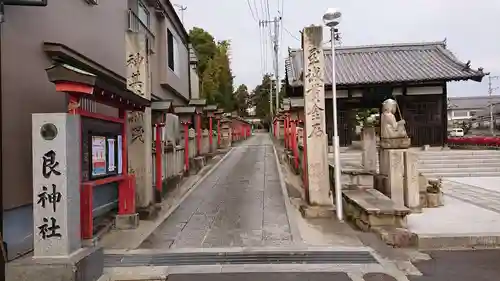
{"x":251,"y":11}
{"x":289,"y":33}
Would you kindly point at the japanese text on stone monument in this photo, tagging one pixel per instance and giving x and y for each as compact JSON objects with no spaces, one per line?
{"x":49,"y":197}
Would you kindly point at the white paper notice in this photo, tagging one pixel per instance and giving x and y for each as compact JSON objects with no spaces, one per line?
{"x":111,"y":155}
{"x":119,"y":152}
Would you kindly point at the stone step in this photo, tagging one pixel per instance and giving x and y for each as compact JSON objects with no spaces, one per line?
{"x":467,"y":169}
{"x":443,"y":164}
{"x":447,"y":161}
{"x":458,"y":165}
{"x":461,"y":174}
{"x":434,"y":156}
{"x":458,"y":156}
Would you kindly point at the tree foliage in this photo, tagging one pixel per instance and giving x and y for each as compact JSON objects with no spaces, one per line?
{"x":242,"y":100}
{"x":214,"y":69}
{"x":260,"y":98}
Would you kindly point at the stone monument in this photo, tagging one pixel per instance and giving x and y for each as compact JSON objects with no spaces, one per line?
{"x":315,"y":121}
{"x":58,"y":253}
{"x":397,"y":165}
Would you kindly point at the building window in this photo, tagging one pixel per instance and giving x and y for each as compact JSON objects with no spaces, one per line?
{"x":143,"y":14}
{"x":173,"y":52}
{"x":460,"y":113}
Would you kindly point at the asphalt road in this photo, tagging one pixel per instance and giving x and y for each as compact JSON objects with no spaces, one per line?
{"x":310,"y":276}
{"x":466,"y":265}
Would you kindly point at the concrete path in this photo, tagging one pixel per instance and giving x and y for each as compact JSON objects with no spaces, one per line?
{"x":240,"y":204}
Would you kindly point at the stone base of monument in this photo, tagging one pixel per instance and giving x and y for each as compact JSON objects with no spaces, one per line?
{"x":199,"y":163}
{"x":396,"y":236}
{"x":85,"y":264}
{"x":434,"y":200}
{"x":395,"y":143}
{"x":315,"y":212}
{"x":130,"y":221}
{"x":148,"y":213}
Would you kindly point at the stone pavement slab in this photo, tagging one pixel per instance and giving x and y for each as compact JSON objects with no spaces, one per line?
{"x":470,"y":216}
{"x":239,"y":204}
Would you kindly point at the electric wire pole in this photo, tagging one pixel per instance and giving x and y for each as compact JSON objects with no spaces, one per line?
{"x":491,"y":89}
{"x":276,"y":60}
{"x":275,"y":39}
{"x":181,"y":10}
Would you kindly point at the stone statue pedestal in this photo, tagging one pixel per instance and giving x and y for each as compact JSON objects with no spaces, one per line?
{"x":395,"y":143}
{"x":392,"y":169}
{"x":411,"y":182}
{"x":398,"y":177}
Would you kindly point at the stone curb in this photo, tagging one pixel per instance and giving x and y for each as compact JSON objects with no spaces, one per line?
{"x":453,"y":241}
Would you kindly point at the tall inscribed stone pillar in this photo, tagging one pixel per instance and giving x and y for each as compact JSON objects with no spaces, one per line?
{"x":139,"y":123}
{"x":315,"y":121}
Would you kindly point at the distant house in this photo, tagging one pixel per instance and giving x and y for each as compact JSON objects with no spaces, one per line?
{"x":475,"y":109}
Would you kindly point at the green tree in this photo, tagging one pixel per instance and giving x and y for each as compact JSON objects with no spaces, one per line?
{"x":260,"y":98}
{"x":214,"y":69}
{"x":242,"y":100}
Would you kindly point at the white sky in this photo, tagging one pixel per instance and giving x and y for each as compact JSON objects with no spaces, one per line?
{"x":472,"y":29}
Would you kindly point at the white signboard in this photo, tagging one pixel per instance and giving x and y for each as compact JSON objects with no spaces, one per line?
{"x":98,"y":156}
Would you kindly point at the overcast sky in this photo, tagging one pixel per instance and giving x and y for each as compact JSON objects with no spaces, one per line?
{"x":472,"y":29}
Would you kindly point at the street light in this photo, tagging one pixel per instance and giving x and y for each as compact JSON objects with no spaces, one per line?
{"x":331,"y":18}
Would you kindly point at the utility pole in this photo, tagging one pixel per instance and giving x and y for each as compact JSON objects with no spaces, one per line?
{"x":275,"y":39}
{"x":491,"y":89}
{"x":276,"y":59}
{"x":181,"y":10}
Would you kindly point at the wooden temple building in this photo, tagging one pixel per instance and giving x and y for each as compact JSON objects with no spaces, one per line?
{"x":415,"y":75}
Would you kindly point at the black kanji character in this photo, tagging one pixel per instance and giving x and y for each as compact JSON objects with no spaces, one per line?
{"x":49,"y":231}
{"x":50,"y":164}
{"x":53,"y":197}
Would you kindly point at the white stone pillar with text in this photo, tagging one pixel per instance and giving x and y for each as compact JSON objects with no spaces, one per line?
{"x":56,"y":184}
{"x":139,"y":123}
{"x":315,"y":121}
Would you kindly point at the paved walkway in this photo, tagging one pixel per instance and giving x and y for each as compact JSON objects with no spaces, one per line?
{"x":471,"y":209}
{"x":240,"y":204}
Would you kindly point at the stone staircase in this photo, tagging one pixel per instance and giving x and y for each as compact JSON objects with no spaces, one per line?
{"x":437,"y":163}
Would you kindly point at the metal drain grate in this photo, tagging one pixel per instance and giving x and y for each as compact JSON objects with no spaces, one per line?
{"x":299,"y":257}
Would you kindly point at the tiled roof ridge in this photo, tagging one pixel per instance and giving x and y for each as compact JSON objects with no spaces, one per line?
{"x":384,"y":47}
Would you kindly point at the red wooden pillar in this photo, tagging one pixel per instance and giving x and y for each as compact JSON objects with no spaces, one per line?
{"x":198,"y":133}
{"x":285,"y":131}
{"x":186,"y":144}
{"x":289,"y":132}
{"x":218,"y":132}
{"x":210,"y":133}
{"x":126,"y":188}
{"x":295,"y":148}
